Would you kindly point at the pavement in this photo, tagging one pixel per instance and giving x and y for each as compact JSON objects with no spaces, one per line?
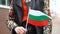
{"x":56,"y":25}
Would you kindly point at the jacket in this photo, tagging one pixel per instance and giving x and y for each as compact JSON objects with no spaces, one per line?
{"x":17,"y":14}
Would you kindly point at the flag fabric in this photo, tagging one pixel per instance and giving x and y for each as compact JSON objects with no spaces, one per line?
{"x":38,"y":18}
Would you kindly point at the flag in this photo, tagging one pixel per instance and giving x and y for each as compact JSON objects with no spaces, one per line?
{"x":38,"y":18}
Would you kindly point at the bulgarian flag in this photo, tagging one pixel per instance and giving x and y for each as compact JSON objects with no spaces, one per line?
{"x":37,"y":18}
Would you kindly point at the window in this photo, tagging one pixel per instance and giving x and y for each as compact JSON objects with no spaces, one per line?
{"x":4,"y":3}
{"x":27,"y":0}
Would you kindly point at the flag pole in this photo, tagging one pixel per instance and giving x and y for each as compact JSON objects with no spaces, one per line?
{"x":27,"y":20}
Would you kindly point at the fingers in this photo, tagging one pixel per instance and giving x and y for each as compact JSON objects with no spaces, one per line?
{"x":20,"y":30}
{"x":25,"y":30}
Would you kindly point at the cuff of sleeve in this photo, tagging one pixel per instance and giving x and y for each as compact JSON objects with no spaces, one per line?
{"x":13,"y":31}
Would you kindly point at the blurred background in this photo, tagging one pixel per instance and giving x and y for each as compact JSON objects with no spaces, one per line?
{"x":55,"y":13}
{"x":54,"y":6}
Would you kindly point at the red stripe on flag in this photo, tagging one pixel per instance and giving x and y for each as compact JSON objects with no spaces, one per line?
{"x":38,"y":23}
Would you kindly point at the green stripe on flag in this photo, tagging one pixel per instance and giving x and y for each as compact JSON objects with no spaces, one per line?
{"x":38,"y":18}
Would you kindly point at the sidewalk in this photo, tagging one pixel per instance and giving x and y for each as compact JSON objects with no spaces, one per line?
{"x":56,"y":25}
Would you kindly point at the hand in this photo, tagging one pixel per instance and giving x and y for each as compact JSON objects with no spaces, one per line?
{"x":20,"y":30}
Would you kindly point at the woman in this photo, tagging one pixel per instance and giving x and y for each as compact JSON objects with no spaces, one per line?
{"x":18,"y":17}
